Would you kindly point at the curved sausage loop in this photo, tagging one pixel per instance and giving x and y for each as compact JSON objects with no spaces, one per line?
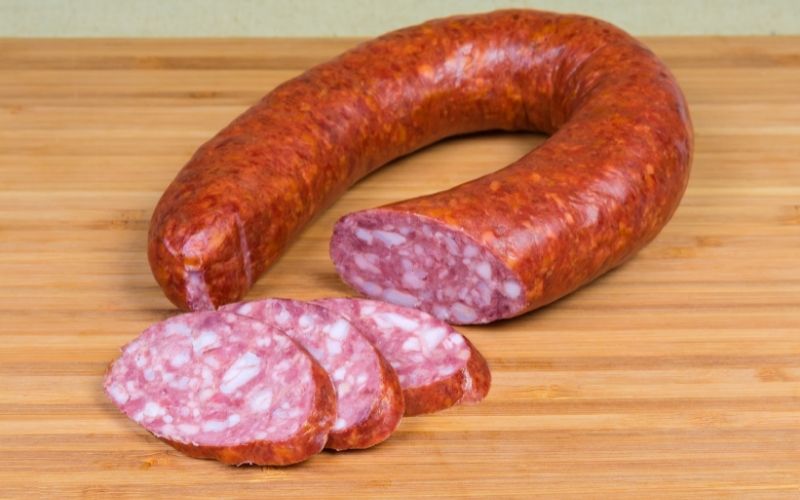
{"x":601,"y":187}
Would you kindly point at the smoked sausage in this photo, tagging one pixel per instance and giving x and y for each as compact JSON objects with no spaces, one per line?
{"x":603,"y":185}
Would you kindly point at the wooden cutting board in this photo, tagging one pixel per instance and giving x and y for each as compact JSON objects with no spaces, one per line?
{"x":677,"y":374}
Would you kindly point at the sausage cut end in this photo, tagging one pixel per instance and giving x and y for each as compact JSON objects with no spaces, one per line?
{"x":415,"y":261}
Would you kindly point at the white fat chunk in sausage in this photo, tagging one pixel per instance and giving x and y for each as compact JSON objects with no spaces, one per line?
{"x":484,"y":294}
{"x":140,"y":360}
{"x":363,"y":263}
{"x":305,"y":322}
{"x":511,"y":289}
{"x":340,"y":424}
{"x":484,"y":270}
{"x":283,"y":366}
{"x":400,"y":298}
{"x":241,"y":372}
{"x":181,"y":384}
{"x":134,"y":346}
{"x":149,"y":374}
{"x":334,"y":347}
{"x":414,"y":280}
{"x":153,"y":410}
{"x":188,"y":429}
{"x":244,"y":309}
{"x":207,"y":340}
{"x":364,"y":235}
{"x":179,"y":359}
{"x":339,"y":374}
{"x":399,"y":321}
{"x":234,"y":419}
{"x":214,"y":425}
{"x":119,"y":394}
{"x":463,"y":313}
{"x":441,"y":312}
{"x":176,"y":328}
{"x":282,"y":341}
{"x":389,"y":238}
{"x":451,"y":245}
{"x":339,"y":329}
{"x":446,"y":370}
{"x":283,"y":317}
{"x":433,"y":337}
{"x":471,"y":251}
{"x":411,"y":344}
{"x":262,"y":401}
{"x":382,"y":322}
{"x":371,"y":288}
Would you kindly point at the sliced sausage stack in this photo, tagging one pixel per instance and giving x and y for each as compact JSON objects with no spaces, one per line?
{"x":273,"y":382}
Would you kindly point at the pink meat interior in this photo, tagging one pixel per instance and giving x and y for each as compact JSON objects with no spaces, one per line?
{"x":420,"y":348}
{"x":414,"y":261}
{"x":213,"y":379}
{"x":335,"y":343}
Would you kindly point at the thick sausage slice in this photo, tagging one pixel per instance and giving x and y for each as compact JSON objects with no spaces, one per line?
{"x":599,"y":189}
{"x":437,"y":366}
{"x":222,"y":386}
{"x":369,"y":399}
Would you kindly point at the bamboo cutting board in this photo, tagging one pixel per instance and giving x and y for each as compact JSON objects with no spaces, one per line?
{"x":677,"y":374}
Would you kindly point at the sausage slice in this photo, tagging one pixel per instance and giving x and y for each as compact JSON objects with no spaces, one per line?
{"x":437,"y":366}
{"x":219,"y":385}
{"x":369,"y":398}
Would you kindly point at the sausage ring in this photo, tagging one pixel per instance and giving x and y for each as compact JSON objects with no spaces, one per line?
{"x":605,"y":182}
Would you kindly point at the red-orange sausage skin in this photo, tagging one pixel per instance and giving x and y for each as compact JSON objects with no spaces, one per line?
{"x":621,"y":142}
{"x":382,"y":420}
{"x":450,"y":391}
